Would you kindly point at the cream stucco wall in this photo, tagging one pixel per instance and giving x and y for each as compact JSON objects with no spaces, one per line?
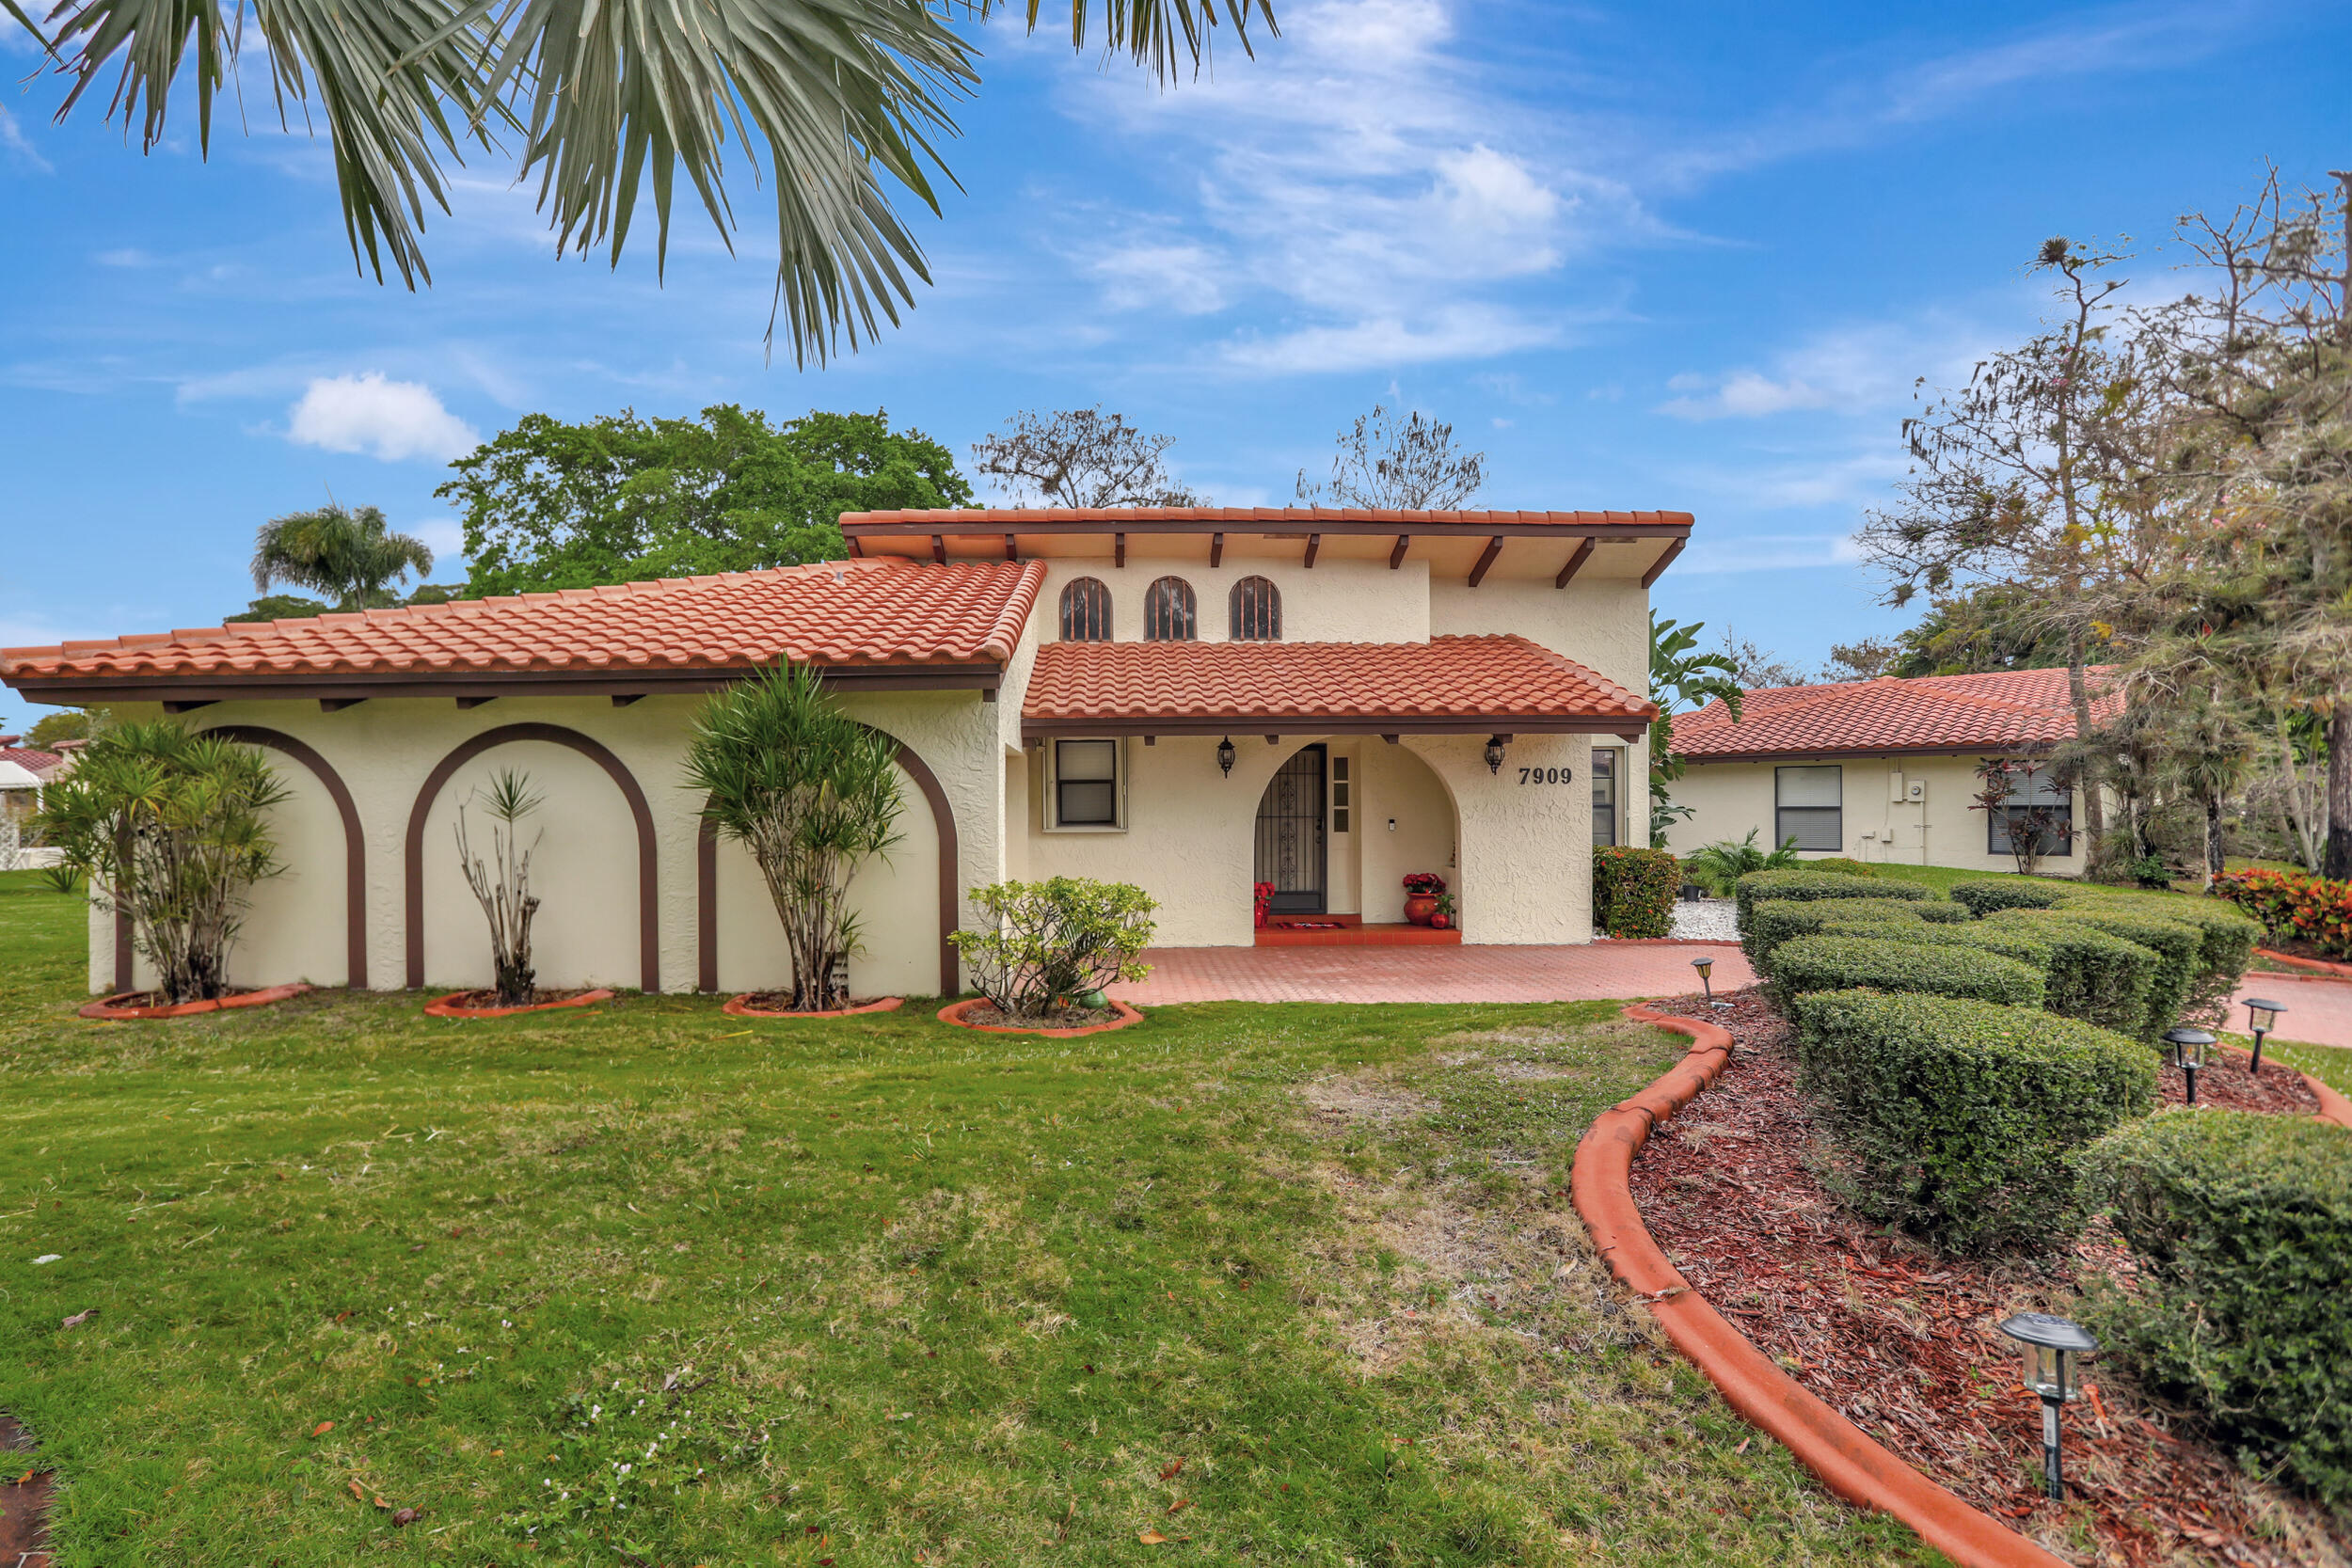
{"x":1333,"y":601}
{"x":1729,"y":798}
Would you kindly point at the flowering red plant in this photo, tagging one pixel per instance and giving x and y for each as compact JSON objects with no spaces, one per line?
{"x":2295,"y":905}
{"x":1423,"y":883}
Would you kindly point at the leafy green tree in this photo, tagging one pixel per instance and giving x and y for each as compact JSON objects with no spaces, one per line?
{"x":812,"y":793}
{"x":68,"y":723}
{"x":1681,"y":678}
{"x":607,"y":100}
{"x":1989,"y":627}
{"x":620,"y":498}
{"x":279,"y":607}
{"x":351,"y":557}
{"x":171,"y":828}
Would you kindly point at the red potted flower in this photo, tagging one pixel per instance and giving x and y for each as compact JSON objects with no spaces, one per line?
{"x":1262,"y":900}
{"x":1441,"y":917}
{"x":1421,"y":889}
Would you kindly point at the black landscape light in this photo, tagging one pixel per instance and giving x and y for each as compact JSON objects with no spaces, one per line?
{"x":1494,"y":753}
{"x":2188,"y":1054}
{"x":2261,"y":1017}
{"x":1224,"y":756}
{"x":1706,"y":979}
{"x":2053,"y":1350}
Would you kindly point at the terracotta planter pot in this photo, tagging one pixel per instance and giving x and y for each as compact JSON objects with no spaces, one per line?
{"x":447,"y":1007}
{"x":741,"y":1007}
{"x":113,"y":1008}
{"x":954,"y":1013}
{"x":1418,"y":907}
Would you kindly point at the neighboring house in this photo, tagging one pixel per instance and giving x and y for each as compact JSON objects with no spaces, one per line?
{"x":1191,"y":699}
{"x":1881,"y":770}
{"x":23,"y":771}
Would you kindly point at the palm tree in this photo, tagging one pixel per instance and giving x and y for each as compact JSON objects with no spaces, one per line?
{"x":351,"y":557}
{"x":608,"y":95}
{"x":1681,"y":677}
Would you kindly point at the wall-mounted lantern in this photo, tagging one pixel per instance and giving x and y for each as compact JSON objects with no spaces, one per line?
{"x":2261,"y":1017}
{"x":1494,"y":753}
{"x":2054,"y":1349}
{"x":1224,"y":756}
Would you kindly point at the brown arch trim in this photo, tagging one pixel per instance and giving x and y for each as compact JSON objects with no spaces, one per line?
{"x":354,"y":841}
{"x":943,"y":819}
{"x":649,"y":885}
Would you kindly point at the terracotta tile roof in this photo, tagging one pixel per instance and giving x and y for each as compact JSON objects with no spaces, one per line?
{"x":1492,"y":681}
{"x":835,"y":613}
{"x":999,"y":519}
{"x":33,"y":762}
{"x":2009,"y":708}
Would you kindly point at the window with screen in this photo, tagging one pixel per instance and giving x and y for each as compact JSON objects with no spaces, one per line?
{"x":2036,"y":806}
{"x":1810,"y":807}
{"x":1605,"y":794}
{"x":1169,"y":612}
{"x":1085,"y":783}
{"x":1086,"y":611}
{"x":1342,"y":793}
{"x":1257,"y":606}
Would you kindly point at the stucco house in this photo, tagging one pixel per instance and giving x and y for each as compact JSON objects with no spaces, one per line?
{"x":1881,"y":770}
{"x":1195,"y":699}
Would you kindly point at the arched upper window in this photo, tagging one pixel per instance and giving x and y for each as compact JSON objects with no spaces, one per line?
{"x":1086,"y":611}
{"x":1169,"y":612}
{"x":1257,"y":610}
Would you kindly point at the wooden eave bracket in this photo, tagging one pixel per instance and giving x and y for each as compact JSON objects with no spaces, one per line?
{"x":1576,"y":562}
{"x":1396,"y":554}
{"x":1485,"y":559}
{"x":1666,"y":559}
{"x":1217,"y":550}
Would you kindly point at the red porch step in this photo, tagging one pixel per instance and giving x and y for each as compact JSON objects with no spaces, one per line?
{"x":1275,"y":933}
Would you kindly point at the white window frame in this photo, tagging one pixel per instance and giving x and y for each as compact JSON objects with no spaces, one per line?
{"x":1838,"y":811}
{"x":1050,"y":806}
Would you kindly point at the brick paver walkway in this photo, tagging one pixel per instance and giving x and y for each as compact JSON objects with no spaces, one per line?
{"x":1472,"y":973}
{"x":2319,"y":1011}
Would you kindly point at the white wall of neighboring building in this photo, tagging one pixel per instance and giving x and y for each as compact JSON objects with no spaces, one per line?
{"x":1879,"y":819}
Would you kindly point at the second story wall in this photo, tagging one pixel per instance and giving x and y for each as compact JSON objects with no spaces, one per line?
{"x":1333,"y":601}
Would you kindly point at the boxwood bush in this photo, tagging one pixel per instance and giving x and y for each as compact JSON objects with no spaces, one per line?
{"x":2242,"y":1227}
{"x":1776,"y":920}
{"x":1804,"y":964}
{"x":2177,"y":947}
{"x":1962,"y":1120}
{"x":2010,"y":942}
{"x":1984,"y":895}
{"x":2092,"y":976}
{"x":1761,"y":886}
{"x":2226,"y":939}
{"x":1634,"y":890}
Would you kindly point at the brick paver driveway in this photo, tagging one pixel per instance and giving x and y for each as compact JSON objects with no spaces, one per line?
{"x":1603,"y":970}
{"x":2319,"y":1010}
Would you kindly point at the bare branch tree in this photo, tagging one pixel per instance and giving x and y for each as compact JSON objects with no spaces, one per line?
{"x":1082,"y":457}
{"x":1407,"y":465}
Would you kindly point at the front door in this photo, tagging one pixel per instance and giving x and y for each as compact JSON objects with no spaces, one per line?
{"x":1289,"y":835}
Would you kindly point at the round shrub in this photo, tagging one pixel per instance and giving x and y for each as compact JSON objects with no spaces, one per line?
{"x":2176,"y":945}
{"x":1844,"y":865}
{"x":2010,"y":942}
{"x":1984,"y":895}
{"x":2092,"y":976}
{"x":1776,"y":920}
{"x":2226,"y":938}
{"x":1961,"y":1119}
{"x":2242,"y":1227}
{"x":1761,"y":886}
{"x":1634,"y":890}
{"x":1843,"y":963}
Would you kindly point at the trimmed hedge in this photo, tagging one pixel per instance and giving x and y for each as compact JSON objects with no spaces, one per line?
{"x":1962,"y":1119}
{"x":1845,"y":865}
{"x":1634,"y":890}
{"x":2177,"y":947}
{"x":1761,"y":886}
{"x":2242,"y":1225}
{"x":2225,"y":946}
{"x":1778,"y":919}
{"x":1984,"y":895}
{"x":2008,"y":940}
{"x":2092,"y":976}
{"x":1813,"y":963}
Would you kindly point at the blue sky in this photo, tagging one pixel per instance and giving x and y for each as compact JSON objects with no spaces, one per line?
{"x":1667,"y":255}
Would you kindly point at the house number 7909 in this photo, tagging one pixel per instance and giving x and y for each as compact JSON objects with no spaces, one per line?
{"x":1545,"y":776}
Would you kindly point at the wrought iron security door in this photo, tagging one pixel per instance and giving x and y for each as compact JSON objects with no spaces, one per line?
{"x":1290,"y":849}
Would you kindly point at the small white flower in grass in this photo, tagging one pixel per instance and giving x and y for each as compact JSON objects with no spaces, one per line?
{"x":49,"y":1257}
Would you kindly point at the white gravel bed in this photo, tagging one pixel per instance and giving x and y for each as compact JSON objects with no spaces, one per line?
{"x":1706,"y":920}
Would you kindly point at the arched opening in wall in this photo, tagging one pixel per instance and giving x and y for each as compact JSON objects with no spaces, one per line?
{"x":587,"y":867}
{"x":1402,"y":820}
{"x":896,"y":898}
{"x":1292,"y":850}
{"x":297,"y":923}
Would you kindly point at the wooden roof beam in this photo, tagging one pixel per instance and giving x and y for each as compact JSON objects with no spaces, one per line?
{"x":1666,"y":559}
{"x":1576,"y":562}
{"x":1217,"y":550}
{"x":1314,"y":547}
{"x":1396,"y":555}
{"x":1485,"y":559}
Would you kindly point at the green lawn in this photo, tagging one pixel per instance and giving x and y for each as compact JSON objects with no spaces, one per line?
{"x":1281,"y":1284}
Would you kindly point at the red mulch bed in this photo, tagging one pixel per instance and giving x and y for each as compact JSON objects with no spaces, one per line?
{"x":25,"y":1489}
{"x":1901,"y":1341}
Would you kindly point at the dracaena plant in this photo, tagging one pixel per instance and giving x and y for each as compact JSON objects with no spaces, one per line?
{"x":812,"y":794}
{"x":502,"y":882}
{"x":172,"y":827}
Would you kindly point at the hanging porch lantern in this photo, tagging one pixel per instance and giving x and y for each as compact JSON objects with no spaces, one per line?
{"x":1224,"y":756}
{"x":1494,"y":753}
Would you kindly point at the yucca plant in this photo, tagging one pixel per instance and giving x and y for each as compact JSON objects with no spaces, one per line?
{"x":172,"y":827}
{"x":502,"y":884}
{"x":812,"y":794}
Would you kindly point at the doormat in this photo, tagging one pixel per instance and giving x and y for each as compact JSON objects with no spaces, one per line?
{"x":1308,"y":925}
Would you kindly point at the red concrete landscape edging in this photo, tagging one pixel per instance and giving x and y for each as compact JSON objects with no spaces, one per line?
{"x":739,"y":1006}
{"x":111,"y":1009}
{"x":2332,"y":1106}
{"x":2320,"y":968}
{"x":444,"y":1006}
{"x":1846,"y":1458}
{"x":953,"y":1013}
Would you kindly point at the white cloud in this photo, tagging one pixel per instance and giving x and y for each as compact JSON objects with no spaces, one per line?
{"x":1864,"y":368}
{"x":19,"y":146}
{"x":1767,"y":552}
{"x":388,"y":419}
{"x":1161,"y":274}
{"x":445,"y":537}
{"x":1450,"y":332}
